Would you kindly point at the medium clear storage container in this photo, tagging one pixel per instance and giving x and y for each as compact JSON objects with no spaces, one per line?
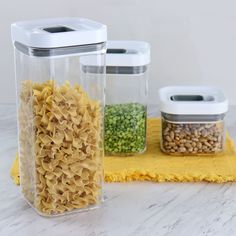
{"x":60,"y":112}
{"x":192,"y":120}
{"x":127,"y":65}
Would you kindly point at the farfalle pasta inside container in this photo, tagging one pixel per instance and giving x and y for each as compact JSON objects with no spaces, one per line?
{"x":60,"y":113}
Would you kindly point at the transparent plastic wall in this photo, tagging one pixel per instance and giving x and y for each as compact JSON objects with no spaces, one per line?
{"x":60,"y":127}
{"x":126,"y":110}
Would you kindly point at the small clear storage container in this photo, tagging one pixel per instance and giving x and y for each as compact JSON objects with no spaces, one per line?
{"x":192,"y":120}
{"x":127,"y":65}
{"x":60,"y":112}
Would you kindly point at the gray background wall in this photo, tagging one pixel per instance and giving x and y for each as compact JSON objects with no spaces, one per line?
{"x":193,"y":42}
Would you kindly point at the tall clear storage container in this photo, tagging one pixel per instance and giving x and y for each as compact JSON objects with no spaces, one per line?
{"x":60,"y":112}
{"x":193,"y":120}
{"x":127,"y":65}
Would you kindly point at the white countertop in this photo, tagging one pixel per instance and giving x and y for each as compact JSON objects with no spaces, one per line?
{"x":131,"y":209}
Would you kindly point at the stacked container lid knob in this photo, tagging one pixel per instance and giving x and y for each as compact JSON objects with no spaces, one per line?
{"x":192,"y":120}
{"x":60,"y":112}
{"x":127,"y":65}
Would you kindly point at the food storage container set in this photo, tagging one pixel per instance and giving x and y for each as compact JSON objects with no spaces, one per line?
{"x":65,"y":124}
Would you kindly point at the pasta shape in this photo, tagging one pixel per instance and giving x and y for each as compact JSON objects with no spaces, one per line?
{"x":60,"y":147}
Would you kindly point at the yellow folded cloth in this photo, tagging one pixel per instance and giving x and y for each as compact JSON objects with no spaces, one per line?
{"x":15,"y":171}
{"x":153,"y":165}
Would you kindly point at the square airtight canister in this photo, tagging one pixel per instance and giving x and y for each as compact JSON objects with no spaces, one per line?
{"x":60,"y":112}
{"x":127,"y":66}
{"x":193,"y":120}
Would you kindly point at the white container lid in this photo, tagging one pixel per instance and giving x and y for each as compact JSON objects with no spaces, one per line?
{"x":188,"y":100}
{"x":127,"y":53}
{"x":58,"y":32}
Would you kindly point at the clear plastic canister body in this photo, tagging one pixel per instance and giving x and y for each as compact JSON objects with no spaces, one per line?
{"x":126,"y":110}
{"x":60,"y":127}
{"x":192,"y":134}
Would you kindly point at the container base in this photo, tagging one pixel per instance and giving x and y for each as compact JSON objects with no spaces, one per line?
{"x":192,"y":154}
{"x":88,"y":208}
{"x":125,"y":154}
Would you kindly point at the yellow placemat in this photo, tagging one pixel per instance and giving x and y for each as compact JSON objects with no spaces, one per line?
{"x":153,"y":165}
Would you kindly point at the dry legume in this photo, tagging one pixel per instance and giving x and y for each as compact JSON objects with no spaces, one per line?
{"x":196,"y":138}
{"x":125,"y":128}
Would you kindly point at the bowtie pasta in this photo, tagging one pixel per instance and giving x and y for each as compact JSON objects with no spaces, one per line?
{"x":60,"y":147}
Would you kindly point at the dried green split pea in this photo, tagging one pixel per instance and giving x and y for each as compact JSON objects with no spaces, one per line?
{"x":125,"y":128}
